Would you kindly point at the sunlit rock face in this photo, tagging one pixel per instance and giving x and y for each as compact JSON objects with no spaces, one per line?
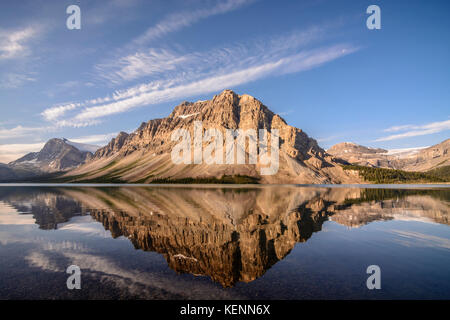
{"x":228,"y":234}
{"x":145,"y":154}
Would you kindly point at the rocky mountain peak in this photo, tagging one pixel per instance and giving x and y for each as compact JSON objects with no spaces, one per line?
{"x":149,"y":147}
{"x":351,"y":147}
{"x":114,"y":145}
{"x":57,"y":154}
{"x":227,"y":110}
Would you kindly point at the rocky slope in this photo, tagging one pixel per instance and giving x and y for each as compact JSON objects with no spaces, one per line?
{"x":145,"y":154}
{"x":411,"y":160}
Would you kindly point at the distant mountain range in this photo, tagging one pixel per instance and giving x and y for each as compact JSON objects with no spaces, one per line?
{"x":144,"y":156}
{"x":419,"y":159}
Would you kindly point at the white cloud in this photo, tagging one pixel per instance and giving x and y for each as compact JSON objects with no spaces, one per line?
{"x":55,"y":112}
{"x":399,"y":128}
{"x":416,"y":130}
{"x":11,"y":152}
{"x":13,"y":44}
{"x":151,"y":62}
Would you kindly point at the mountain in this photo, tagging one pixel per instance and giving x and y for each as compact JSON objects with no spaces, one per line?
{"x":145,"y":154}
{"x":56,"y":155}
{"x":429,"y":158}
{"x":412,"y":159}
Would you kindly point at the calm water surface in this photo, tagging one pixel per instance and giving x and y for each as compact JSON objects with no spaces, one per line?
{"x":213,"y":242}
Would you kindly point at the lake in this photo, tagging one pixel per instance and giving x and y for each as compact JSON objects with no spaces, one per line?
{"x":224,"y":242}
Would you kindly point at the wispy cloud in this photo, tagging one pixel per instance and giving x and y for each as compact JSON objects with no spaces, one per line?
{"x":135,"y":60}
{"x":15,"y":80}
{"x":177,"y":21}
{"x":107,"y":11}
{"x":168,"y":64}
{"x":416,"y":130}
{"x":147,"y":63}
{"x":211,"y":81}
{"x":20,"y":131}
{"x":399,"y":128}
{"x":14,"y":43}
{"x":417,"y":239}
{"x":183,"y":75}
{"x":55,"y":112}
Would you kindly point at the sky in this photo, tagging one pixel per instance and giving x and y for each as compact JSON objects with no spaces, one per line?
{"x":314,"y":62}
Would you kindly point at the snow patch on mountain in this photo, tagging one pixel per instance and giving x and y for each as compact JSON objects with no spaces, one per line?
{"x":404,"y":152}
{"x":185,"y":116}
{"x":83,"y":147}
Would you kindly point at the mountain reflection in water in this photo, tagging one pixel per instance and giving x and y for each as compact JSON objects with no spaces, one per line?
{"x":229,"y":234}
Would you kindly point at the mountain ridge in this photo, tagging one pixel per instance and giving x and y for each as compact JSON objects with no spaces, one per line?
{"x":144,"y":154}
{"x":418,"y":159}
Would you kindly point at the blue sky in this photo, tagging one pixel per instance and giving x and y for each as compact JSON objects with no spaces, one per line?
{"x":314,"y":62}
